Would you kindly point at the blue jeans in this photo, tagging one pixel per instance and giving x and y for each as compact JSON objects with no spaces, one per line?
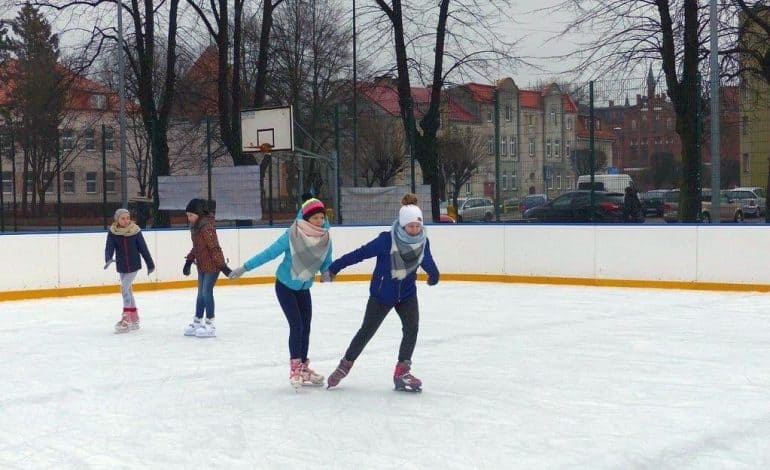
{"x":205,"y":301}
{"x":297,"y":305}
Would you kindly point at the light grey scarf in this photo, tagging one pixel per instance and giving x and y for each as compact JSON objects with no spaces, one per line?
{"x":309,"y":245}
{"x":406,"y":251}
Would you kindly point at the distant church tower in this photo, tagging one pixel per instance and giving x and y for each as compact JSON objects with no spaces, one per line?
{"x":650,"y":85}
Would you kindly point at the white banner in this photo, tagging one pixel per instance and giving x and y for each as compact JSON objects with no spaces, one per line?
{"x":235,"y":189}
{"x":380,"y":205}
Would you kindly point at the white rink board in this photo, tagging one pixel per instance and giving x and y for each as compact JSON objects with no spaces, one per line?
{"x":664,"y":253}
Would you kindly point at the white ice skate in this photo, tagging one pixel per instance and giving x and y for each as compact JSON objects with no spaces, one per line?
{"x":190,"y":329}
{"x":207,"y":330}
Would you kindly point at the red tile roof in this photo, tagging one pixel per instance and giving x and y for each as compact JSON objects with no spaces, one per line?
{"x":387,"y":98}
{"x":529,"y":99}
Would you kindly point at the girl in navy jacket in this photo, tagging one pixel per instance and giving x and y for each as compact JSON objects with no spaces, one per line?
{"x":399,"y":253}
{"x":126,"y":243}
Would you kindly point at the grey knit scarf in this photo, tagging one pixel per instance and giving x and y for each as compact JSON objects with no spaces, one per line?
{"x":406,"y":251}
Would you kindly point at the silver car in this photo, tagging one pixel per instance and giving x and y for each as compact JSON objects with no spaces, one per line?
{"x":751,"y":199}
{"x":474,"y":209}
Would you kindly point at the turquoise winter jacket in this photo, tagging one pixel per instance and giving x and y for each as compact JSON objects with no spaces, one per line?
{"x":283,"y":273}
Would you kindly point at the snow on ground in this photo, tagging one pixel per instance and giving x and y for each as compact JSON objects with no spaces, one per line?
{"x":515,"y":376}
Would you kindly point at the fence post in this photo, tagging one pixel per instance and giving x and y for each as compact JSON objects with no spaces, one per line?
{"x":497,"y":153}
{"x":105,"y":215}
{"x":591,"y":156}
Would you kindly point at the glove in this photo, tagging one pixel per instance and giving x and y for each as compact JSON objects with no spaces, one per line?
{"x":237,"y":272}
{"x":150,"y":270}
{"x":432,"y":281}
{"x":327,"y":276}
{"x":226,"y":270}
{"x":186,"y":269}
{"x":108,"y":263}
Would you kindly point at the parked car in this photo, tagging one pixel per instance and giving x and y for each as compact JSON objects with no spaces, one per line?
{"x":653,"y":202}
{"x":474,"y":209}
{"x":533,"y":200}
{"x":729,"y":210}
{"x":671,"y":206}
{"x":575,"y":206}
{"x":751,"y":199}
{"x":511,"y":205}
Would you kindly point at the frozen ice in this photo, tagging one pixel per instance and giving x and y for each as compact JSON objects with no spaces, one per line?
{"x":515,"y":376}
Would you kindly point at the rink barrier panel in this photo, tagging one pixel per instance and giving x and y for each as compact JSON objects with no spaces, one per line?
{"x":726,"y":258}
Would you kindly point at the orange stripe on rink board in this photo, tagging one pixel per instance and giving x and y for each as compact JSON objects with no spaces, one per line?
{"x":505,"y":278}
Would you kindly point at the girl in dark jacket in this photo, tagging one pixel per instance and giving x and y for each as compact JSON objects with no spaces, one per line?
{"x":126,"y":243}
{"x":209,"y":259}
{"x":399,"y":253}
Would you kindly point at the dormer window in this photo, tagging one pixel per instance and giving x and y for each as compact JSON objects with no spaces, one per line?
{"x":98,"y":102}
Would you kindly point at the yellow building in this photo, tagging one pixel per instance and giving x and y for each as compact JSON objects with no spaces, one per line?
{"x":755,"y":113}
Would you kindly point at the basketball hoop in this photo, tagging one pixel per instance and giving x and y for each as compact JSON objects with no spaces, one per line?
{"x":265,"y":148}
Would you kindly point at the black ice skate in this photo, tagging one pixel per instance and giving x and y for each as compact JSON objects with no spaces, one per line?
{"x":403,"y":379}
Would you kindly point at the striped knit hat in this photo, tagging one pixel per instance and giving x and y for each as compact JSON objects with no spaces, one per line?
{"x":312,"y":206}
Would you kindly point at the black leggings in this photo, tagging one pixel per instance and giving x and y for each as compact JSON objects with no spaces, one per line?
{"x":376,"y":312}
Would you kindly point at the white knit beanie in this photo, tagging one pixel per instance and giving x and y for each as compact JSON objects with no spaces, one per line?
{"x":409,"y":213}
{"x":120,"y":212}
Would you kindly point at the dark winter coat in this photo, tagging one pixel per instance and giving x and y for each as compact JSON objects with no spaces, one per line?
{"x":127,"y":244}
{"x":383,"y":286}
{"x":206,"y":252}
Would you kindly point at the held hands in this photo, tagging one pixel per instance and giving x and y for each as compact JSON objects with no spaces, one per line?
{"x":186,"y":269}
{"x":236,"y":273}
{"x":226,"y":270}
{"x":150,"y":270}
{"x":327,"y":276}
{"x":432,"y":281}
{"x":108,"y":263}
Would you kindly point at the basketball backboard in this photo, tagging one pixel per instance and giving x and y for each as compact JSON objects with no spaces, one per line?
{"x":273,"y":126}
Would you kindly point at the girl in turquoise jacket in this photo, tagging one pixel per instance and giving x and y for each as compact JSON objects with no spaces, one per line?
{"x":307,"y":249}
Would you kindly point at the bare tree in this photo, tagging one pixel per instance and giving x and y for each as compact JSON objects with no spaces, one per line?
{"x":633,"y":32}
{"x":154,"y":82}
{"x":581,"y":161}
{"x":310,"y":61}
{"x":463,"y":34}
{"x":460,"y":154}
{"x":382,"y":150}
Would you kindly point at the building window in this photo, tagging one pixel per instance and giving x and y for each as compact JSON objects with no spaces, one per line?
{"x":669,"y":123}
{"x":90,"y":139}
{"x":503,"y":145}
{"x":7,"y":182}
{"x":558,"y":180}
{"x":633,"y":124}
{"x":109,"y":181}
{"x":513,"y":181}
{"x":67,"y":139}
{"x":504,"y":183}
{"x":745,"y":127}
{"x":512,"y":146}
{"x":98,"y":102}
{"x":553,"y":115}
{"x":556,"y":148}
{"x":531,"y":147}
{"x":530,"y":123}
{"x":30,"y":183}
{"x":91,"y":182}
{"x":489,"y":116}
{"x":657,"y":116}
{"x":508,"y":113}
{"x":598,"y":124}
{"x":569,"y":123}
{"x":550,"y":182}
{"x":746,"y":163}
{"x":491,"y":145}
{"x":548,"y":148}
{"x":109,"y":138}
{"x":5,"y":144}
{"x":468,"y":187}
{"x":68,"y":182}
{"x":568,"y":149}
{"x":644,"y":116}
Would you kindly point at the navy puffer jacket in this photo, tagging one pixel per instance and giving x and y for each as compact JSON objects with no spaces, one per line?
{"x":127,"y":244}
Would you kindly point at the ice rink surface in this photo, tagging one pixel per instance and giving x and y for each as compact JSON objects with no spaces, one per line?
{"x":515,"y":377}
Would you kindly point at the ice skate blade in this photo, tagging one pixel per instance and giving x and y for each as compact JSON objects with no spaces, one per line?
{"x":408,"y":390}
